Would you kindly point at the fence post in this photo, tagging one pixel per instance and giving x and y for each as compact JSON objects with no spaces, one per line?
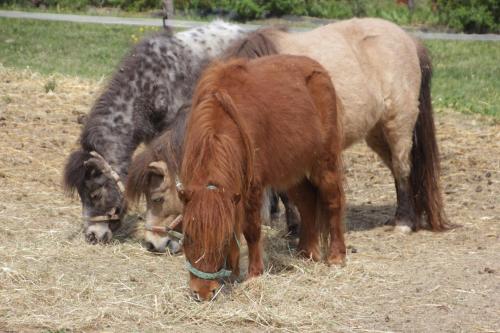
{"x":168,"y":7}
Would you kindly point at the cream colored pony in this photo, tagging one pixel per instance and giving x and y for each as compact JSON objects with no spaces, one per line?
{"x":382,"y":76}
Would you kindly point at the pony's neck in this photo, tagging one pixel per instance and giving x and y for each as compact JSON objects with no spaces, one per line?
{"x":111,"y":143}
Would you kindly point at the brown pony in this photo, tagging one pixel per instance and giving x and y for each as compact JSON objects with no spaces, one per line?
{"x":269,"y":122}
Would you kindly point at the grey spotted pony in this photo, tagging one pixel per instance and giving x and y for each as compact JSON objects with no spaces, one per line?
{"x":152,"y":84}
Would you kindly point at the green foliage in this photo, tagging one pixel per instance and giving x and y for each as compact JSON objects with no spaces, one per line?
{"x":129,"y":5}
{"x":337,"y":9}
{"x":477,"y":16}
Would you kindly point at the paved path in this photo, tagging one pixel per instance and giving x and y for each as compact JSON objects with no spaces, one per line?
{"x":190,"y":24}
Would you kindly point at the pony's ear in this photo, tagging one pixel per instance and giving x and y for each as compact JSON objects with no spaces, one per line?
{"x":184,"y":195}
{"x":236,"y":198}
{"x":158,"y":167}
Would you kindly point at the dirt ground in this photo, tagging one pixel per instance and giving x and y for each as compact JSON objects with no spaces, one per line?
{"x":50,"y":279}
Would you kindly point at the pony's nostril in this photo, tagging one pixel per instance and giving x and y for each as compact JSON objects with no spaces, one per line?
{"x":91,"y":238}
{"x":150,"y":247}
{"x":196,"y":296}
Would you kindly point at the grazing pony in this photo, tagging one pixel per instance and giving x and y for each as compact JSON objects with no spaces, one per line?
{"x":153,"y":82}
{"x":153,"y":174}
{"x":269,"y":122}
{"x":382,"y":76}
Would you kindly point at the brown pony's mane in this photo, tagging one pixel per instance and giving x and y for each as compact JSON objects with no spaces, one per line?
{"x":255,"y":45}
{"x":213,"y":158}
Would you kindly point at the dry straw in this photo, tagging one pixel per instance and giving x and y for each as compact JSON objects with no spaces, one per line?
{"x":50,"y":279}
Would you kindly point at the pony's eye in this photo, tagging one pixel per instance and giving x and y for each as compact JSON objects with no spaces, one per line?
{"x":158,"y":200}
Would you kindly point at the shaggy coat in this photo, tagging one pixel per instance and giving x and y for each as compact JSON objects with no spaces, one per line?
{"x":273,"y":121}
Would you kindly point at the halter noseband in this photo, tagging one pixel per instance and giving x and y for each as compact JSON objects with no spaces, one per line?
{"x":168,"y":230}
{"x":108,"y":171}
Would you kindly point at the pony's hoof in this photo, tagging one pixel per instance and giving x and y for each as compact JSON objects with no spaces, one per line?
{"x":336,"y":259}
{"x":403,"y":229}
{"x":255,"y":272}
{"x":313,"y":255}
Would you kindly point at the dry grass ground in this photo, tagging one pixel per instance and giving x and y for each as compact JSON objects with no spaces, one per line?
{"x":50,"y":279}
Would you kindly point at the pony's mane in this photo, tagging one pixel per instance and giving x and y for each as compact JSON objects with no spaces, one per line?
{"x":210,"y":159}
{"x":125,"y":73}
{"x":210,"y":220}
{"x":74,"y":171}
{"x":93,"y":135}
{"x":204,"y":144}
{"x":212,"y":156}
{"x":167,"y":148}
{"x":255,"y":45}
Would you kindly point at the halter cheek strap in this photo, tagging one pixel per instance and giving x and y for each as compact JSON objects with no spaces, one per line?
{"x":108,"y":171}
{"x":168,"y":230}
{"x":112,"y":174}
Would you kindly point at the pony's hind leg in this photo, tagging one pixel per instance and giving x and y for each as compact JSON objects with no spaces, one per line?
{"x":405,"y":212}
{"x":392,"y":141}
{"x":304,"y":195}
{"x":292,"y":216}
{"x":330,"y":211}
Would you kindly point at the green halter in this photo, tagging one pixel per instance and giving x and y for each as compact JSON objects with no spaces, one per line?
{"x":221,"y":274}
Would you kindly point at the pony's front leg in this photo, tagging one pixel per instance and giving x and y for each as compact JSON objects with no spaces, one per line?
{"x":252,"y":231}
{"x":234,"y":257}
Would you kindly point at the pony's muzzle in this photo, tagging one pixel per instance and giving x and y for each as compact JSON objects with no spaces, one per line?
{"x":205,"y":290}
{"x":98,"y":233}
{"x":155,"y":243}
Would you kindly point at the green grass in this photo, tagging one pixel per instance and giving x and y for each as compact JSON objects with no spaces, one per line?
{"x":87,"y":50}
{"x":466,"y":74}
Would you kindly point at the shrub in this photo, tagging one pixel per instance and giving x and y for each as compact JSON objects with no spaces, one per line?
{"x":477,"y":16}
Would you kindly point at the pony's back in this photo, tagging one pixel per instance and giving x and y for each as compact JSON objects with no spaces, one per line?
{"x":283,"y":101}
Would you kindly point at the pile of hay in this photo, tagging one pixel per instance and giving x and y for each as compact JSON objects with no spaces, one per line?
{"x":50,"y":279}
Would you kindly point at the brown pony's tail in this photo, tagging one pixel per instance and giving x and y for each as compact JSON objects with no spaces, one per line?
{"x":227,"y":104}
{"x":425,"y":169}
